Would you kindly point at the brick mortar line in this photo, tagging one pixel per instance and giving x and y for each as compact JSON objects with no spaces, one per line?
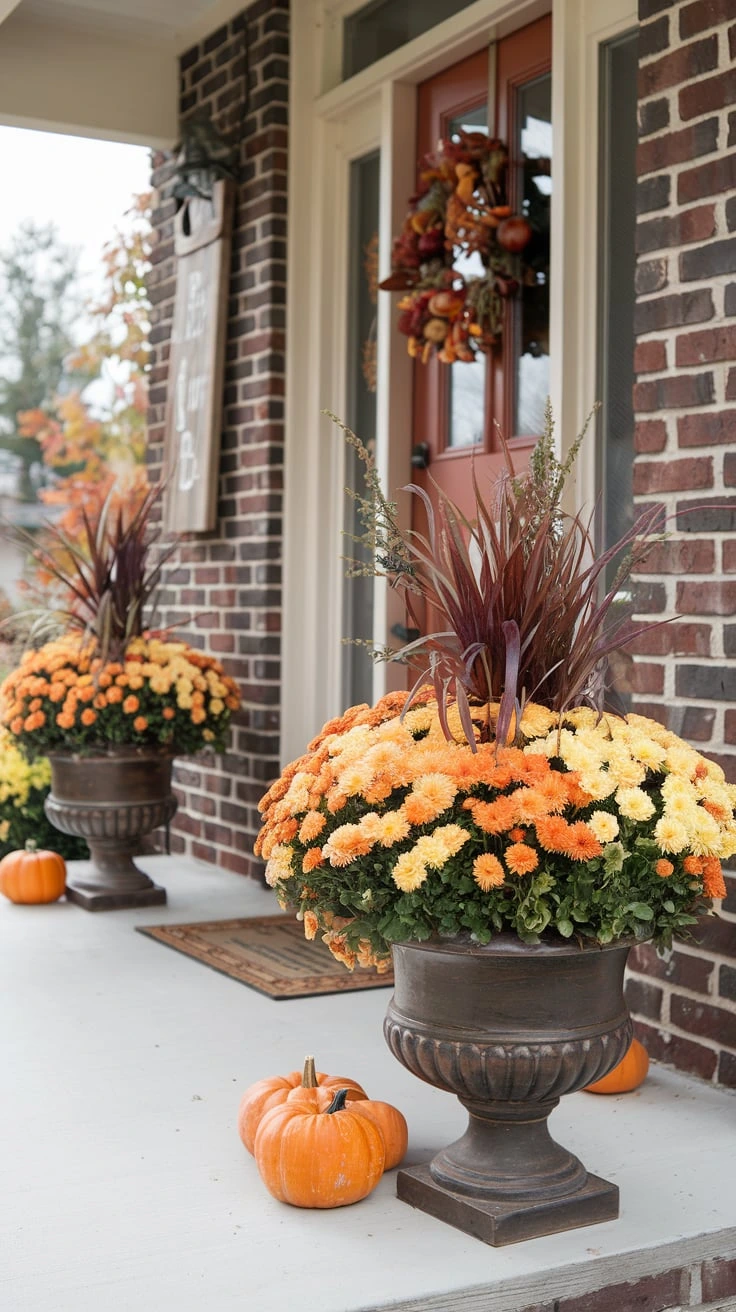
{"x":692,"y":995}
{"x":705,"y":1041}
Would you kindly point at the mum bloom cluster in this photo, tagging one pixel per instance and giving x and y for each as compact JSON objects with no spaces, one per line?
{"x":19,"y":779}
{"x":590,"y":825}
{"x":65,"y":696}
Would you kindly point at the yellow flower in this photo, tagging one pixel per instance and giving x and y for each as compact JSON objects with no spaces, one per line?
{"x":634,"y":804}
{"x":670,"y":835}
{"x":604,"y":826}
{"x":432,"y":851}
{"x":597,"y":784}
{"x":279,"y":865}
{"x":216,"y":706}
{"x":410,"y":872}
{"x":394,"y":828}
{"x":537,"y":721}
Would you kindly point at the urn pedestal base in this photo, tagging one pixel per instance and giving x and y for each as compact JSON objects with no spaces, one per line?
{"x":500,"y":1223}
{"x":92,"y":898}
{"x":509,"y":1029}
{"x":112,"y":801}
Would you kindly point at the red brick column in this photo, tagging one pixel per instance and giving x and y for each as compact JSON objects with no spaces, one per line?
{"x":224,"y":590}
{"x":685,"y":441}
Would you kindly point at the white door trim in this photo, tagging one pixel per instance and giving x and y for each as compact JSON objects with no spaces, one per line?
{"x":333,"y":123}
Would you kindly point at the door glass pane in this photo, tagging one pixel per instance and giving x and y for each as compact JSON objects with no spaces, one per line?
{"x":357,"y":665}
{"x":616,"y":300}
{"x":381,"y":26}
{"x":533,"y":151}
{"x":467,"y":382}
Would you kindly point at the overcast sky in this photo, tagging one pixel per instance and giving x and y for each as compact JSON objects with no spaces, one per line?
{"x":81,"y":185}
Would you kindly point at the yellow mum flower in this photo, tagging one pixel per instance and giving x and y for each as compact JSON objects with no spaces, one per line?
{"x":634,"y":804}
{"x":597,"y":784}
{"x":410,"y":872}
{"x":604,"y":826}
{"x":670,"y":835}
{"x":217,"y":706}
{"x":537,"y":721}
{"x":279,"y":865}
{"x":394,"y":828}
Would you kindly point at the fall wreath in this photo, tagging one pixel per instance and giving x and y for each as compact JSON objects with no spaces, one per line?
{"x":461,"y":208}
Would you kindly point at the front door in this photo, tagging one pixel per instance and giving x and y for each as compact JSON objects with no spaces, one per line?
{"x":461,"y":408}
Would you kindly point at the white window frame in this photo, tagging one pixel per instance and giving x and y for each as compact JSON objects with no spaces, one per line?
{"x":332,"y":124}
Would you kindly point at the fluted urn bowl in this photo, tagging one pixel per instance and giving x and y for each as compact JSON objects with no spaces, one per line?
{"x":112,"y":798}
{"x":509,"y":1028}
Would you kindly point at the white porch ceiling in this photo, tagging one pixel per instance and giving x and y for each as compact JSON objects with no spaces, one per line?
{"x":100,"y":68}
{"x":163,"y":20}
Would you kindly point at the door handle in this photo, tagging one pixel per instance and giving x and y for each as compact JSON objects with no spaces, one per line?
{"x":420,"y":455}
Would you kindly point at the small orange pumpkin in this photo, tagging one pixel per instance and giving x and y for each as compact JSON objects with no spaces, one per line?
{"x":629,"y":1074}
{"x":392,"y":1125}
{"x":32,"y":876}
{"x":313,"y":1158}
{"x":271,"y":1092}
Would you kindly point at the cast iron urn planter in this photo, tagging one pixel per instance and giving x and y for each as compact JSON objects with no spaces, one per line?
{"x":509,"y":1028}
{"x":112,"y":798}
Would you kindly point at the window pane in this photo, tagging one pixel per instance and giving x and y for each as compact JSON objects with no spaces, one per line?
{"x":533,"y":150}
{"x":616,"y":266}
{"x":467,"y":382}
{"x":384,"y":25}
{"x":357,"y":665}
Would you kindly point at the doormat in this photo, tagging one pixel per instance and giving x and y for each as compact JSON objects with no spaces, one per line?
{"x":269,"y":953}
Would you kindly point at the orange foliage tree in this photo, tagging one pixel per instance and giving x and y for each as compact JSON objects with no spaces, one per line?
{"x":98,"y":451}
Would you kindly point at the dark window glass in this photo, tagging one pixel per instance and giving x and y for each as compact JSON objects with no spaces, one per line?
{"x":533,"y":150}
{"x":616,"y":267}
{"x":384,"y":25}
{"x":357,"y":665}
{"x":617,"y":259}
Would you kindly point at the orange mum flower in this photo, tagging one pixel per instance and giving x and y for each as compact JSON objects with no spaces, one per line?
{"x":713,"y":881}
{"x":311,"y":925}
{"x":100,"y":701}
{"x":104,"y":679}
{"x":693,"y":865}
{"x":517,"y":835}
{"x":580,"y":843}
{"x":168,"y":712}
{"x":312,"y":825}
{"x":345,"y":844}
{"x":521,"y":859}
{"x":718,"y":812}
{"x":488,"y":872}
{"x":130,"y":705}
{"x":552,"y":832}
{"x":493,"y":817}
{"x":312,"y":859}
{"x":88,"y":715}
{"x":663,"y":868}
{"x":530,"y":805}
{"x":140,"y":723}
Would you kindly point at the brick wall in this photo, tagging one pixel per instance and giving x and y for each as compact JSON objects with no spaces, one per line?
{"x":230,"y":581}
{"x":706,"y":1287}
{"x":685,"y":439}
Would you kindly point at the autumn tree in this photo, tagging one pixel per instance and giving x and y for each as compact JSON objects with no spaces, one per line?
{"x":94,"y":437}
{"x":38,"y":306}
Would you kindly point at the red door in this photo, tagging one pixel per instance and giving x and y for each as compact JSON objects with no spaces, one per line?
{"x":458,"y":408}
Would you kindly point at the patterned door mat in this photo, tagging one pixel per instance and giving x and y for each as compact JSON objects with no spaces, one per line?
{"x":269,"y":953}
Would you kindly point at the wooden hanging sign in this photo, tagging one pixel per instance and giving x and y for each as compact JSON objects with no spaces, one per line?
{"x":202,"y":240}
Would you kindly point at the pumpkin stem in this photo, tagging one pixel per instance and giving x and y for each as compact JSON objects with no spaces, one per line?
{"x":309,"y":1075}
{"x":338,"y":1102}
{"x":31,"y":845}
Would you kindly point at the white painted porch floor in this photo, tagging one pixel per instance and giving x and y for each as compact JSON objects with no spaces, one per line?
{"x":124,"y":1188}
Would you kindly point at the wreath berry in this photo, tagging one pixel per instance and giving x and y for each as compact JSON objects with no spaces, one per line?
{"x":461,"y":208}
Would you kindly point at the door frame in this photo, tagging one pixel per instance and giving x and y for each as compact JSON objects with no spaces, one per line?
{"x":332,"y":124}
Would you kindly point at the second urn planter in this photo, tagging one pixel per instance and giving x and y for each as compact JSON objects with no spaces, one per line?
{"x":112,"y":799}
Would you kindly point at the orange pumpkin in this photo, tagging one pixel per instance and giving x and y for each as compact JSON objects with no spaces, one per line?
{"x":265,"y":1094}
{"x":629,"y":1074}
{"x":392,"y":1125}
{"x":313,"y":1158}
{"x":30,"y":876}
